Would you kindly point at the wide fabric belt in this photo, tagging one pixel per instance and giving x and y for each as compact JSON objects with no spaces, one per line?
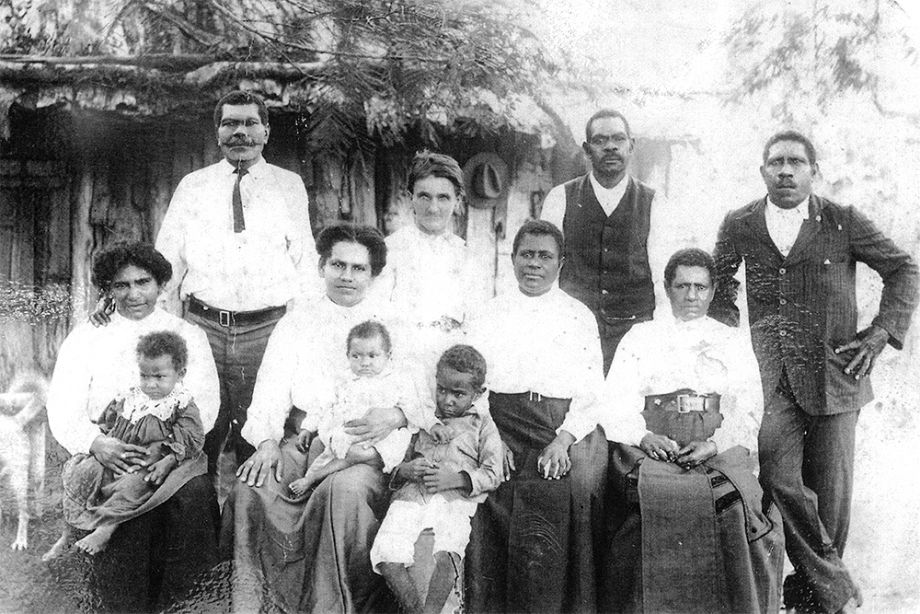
{"x":227,"y":318}
{"x":683,"y":415}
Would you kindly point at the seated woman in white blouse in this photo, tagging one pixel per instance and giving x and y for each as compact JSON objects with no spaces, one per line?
{"x":313,"y":555}
{"x":683,"y":406}
{"x":532,"y":546}
{"x":93,"y":366}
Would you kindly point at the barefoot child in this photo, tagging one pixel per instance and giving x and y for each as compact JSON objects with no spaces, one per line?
{"x":370,"y":382}
{"x":160,"y":415}
{"x":455,"y":464}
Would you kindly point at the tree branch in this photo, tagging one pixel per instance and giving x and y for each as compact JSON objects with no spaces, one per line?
{"x":308,"y":49}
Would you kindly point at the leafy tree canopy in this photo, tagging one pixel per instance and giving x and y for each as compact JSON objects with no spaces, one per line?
{"x":802,"y":55}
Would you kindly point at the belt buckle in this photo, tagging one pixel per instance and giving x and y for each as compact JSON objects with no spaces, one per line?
{"x":687,"y":403}
{"x":224,"y":318}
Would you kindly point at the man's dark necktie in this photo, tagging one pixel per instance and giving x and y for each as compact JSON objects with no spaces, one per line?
{"x":239,"y":224}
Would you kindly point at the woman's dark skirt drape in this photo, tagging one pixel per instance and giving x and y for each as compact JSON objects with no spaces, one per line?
{"x":533,"y":542}
{"x":155,"y":560}
{"x":693,"y":541}
{"x":312,"y":556}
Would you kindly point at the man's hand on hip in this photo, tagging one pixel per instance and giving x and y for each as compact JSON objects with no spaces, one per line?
{"x":868,"y":344}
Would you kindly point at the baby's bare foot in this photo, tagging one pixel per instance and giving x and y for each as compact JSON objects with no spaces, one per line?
{"x":59,"y":548}
{"x":95,"y":542}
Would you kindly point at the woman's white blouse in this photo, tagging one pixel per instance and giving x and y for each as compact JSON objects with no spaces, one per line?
{"x":427,"y":277}
{"x":96,"y":364}
{"x":548,"y":345}
{"x":665,"y":355}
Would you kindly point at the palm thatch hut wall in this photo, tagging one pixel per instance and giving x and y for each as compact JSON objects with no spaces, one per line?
{"x":92,"y":155}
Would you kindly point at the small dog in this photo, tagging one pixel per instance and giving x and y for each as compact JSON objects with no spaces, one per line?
{"x":22,"y":449}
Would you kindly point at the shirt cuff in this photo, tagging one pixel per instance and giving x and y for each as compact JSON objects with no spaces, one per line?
{"x":577,"y":427}
{"x":256,"y":431}
{"x":482,"y":482}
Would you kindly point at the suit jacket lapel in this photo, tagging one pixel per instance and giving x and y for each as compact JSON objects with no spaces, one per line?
{"x":757,"y":222}
{"x":807,"y":232}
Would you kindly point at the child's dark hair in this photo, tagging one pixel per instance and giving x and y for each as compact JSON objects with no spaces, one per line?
{"x":164,"y":343}
{"x":369,"y":330}
{"x":465,"y":359}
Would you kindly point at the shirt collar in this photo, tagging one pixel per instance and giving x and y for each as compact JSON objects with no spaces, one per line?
{"x":446,"y":237}
{"x":536,"y":302}
{"x":800,"y":211}
{"x":156,"y":317}
{"x":256,"y":170}
{"x":614,"y":194}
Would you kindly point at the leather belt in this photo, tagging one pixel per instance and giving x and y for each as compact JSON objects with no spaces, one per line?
{"x":683,"y":401}
{"x":683,"y":415}
{"x":227,"y":318}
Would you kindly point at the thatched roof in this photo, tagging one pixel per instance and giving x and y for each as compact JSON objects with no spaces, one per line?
{"x":188,"y":85}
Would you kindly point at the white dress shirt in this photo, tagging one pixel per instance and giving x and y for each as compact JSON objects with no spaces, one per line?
{"x":94,"y":365}
{"x":305,"y":352}
{"x":784,"y":224}
{"x":546,"y":344}
{"x":667,"y":354}
{"x":666,"y":233}
{"x":272,"y":261}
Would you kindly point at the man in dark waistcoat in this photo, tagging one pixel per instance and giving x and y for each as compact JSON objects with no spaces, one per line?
{"x":800,"y":253}
{"x":606,"y":217}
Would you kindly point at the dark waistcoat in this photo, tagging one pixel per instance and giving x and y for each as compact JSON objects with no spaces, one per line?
{"x":606,"y":257}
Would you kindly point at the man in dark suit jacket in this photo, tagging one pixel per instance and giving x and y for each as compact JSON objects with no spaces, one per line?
{"x":800,"y":252}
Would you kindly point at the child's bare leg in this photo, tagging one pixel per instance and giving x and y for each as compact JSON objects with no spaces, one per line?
{"x":356,"y":454}
{"x":400,"y":582}
{"x":315,"y":475}
{"x":442,"y":581}
{"x":95,"y":542}
{"x":60,"y":546}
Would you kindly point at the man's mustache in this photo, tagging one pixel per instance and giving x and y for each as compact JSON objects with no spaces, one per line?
{"x":236,"y":142}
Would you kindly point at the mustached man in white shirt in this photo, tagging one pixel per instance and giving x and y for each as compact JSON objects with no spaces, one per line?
{"x":238,"y":236}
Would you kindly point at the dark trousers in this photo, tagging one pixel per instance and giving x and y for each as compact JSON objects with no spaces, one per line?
{"x":155,"y":559}
{"x":806,"y":467}
{"x":238,"y":352}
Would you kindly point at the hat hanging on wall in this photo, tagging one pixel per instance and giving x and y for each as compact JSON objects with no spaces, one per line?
{"x":486,"y":179}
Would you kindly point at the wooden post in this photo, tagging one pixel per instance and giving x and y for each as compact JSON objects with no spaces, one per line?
{"x":82,"y":242}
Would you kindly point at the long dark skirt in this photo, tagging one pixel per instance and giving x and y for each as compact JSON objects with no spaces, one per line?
{"x":533,"y":542}
{"x":306,"y":556}
{"x":694,"y":541}
{"x":155,"y":560}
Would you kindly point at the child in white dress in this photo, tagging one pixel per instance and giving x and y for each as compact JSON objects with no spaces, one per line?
{"x":370,"y":382}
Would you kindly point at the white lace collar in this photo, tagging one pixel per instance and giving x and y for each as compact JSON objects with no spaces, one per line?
{"x":137,"y":404}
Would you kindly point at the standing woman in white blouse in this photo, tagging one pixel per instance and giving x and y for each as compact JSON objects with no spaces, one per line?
{"x":428,"y":278}
{"x":150,"y":560}
{"x":533,"y":540}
